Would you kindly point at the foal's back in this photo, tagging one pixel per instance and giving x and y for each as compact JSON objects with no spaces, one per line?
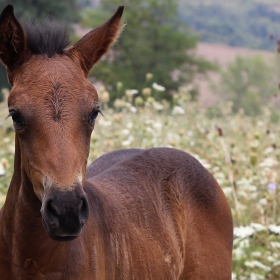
{"x":162,"y":214}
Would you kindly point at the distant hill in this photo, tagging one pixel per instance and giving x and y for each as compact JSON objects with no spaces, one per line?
{"x":222,"y":55}
{"x":240,"y":23}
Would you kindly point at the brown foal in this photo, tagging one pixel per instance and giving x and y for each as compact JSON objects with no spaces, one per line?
{"x":133,"y":214}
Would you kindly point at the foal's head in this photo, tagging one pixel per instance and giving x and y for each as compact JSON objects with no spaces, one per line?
{"x":54,"y":108}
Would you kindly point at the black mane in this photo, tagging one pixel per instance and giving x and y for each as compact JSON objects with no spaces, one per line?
{"x":49,"y":37}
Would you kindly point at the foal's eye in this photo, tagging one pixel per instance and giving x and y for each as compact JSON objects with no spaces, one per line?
{"x":93,"y":115}
{"x":18,"y":119}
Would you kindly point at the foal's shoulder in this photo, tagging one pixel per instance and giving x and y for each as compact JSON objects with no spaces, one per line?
{"x":108,"y":160}
{"x":150,"y":171}
{"x":168,"y":159}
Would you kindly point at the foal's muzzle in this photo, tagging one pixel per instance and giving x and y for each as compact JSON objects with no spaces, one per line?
{"x":65,"y":213}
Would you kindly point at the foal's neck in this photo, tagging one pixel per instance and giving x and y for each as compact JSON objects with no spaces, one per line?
{"x":21,"y":205}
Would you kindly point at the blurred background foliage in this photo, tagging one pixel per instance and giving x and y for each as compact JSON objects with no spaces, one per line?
{"x":250,"y":83}
{"x":160,"y":37}
{"x":234,"y":23}
{"x":154,"y":40}
{"x":67,"y":10}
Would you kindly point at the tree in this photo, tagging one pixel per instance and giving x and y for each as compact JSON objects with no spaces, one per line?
{"x":67,"y":10}
{"x":249,"y":83}
{"x":153,"y":41}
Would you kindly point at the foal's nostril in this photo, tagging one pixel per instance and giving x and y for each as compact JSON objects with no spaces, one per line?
{"x":54,"y":209}
{"x":83,"y":208}
{"x":80,"y":205}
{"x":51,"y":210}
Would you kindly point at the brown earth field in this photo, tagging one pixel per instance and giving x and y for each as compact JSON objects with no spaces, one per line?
{"x":217,"y":53}
{"x":222,"y":55}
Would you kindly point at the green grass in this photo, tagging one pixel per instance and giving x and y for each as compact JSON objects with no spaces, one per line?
{"x":242,"y":153}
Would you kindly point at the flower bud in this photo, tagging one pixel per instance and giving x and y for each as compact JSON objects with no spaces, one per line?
{"x":139,"y":101}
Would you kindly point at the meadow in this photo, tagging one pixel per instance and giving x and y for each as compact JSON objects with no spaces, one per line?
{"x":241,"y":152}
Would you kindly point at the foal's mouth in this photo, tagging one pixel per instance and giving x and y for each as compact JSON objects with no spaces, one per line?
{"x":56,"y":237}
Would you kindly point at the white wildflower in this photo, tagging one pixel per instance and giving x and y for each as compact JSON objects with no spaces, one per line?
{"x":238,"y":253}
{"x":268,"y":150}
{"x":131,"y":92}
{"x":220,"y":175}
{"x":126,"y":143}
{"x":244,"y":243}
{"x":257,"y":264}
{"x":271,"y":259}
{"x":125,"y":132}
{"x":11,"y":150}
{"x":158,"y":87}
{"x":129,"y":140}
{"x":256,"y":254}
{"x":129,"y":125}
{"x":172,"y":137}
{"x":227,"y":191}
{"x":157,"y":106}
{"x":269,"y":162}
{"x":6,"y":139}
{"x":149,"y":129}
{"x":149,"y":121}
{"x":275,"y":244}
{"x":133,"y":109}
{"x":243,"y":231}
{"x":118,"y":103}
{"x":157,"y":126}
{"x":205,"y":163}
{"x":254,"y":276}
{"x":246,"y":184}
{"x":274,"y":229}
{"x":177,"y":110}
{"x":263,"y":201}
{"x":2,"y":170}
{"x":277,"y":263}
{"x":243,"y":193}
{"x":258,"y":227}
{"x":103,"y":122}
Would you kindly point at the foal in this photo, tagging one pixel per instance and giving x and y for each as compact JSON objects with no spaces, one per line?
{"x":138,"y":214}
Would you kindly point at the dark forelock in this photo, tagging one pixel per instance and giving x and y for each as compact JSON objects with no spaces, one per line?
{"x":48,"y":37}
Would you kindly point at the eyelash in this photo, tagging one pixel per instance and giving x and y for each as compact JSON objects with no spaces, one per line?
{"x":93,"y":115}
{"x":18,"y":119}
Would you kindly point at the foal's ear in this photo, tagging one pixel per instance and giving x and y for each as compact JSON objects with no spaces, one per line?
{"x":12,"y":39}
{"x":89,"y":49}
